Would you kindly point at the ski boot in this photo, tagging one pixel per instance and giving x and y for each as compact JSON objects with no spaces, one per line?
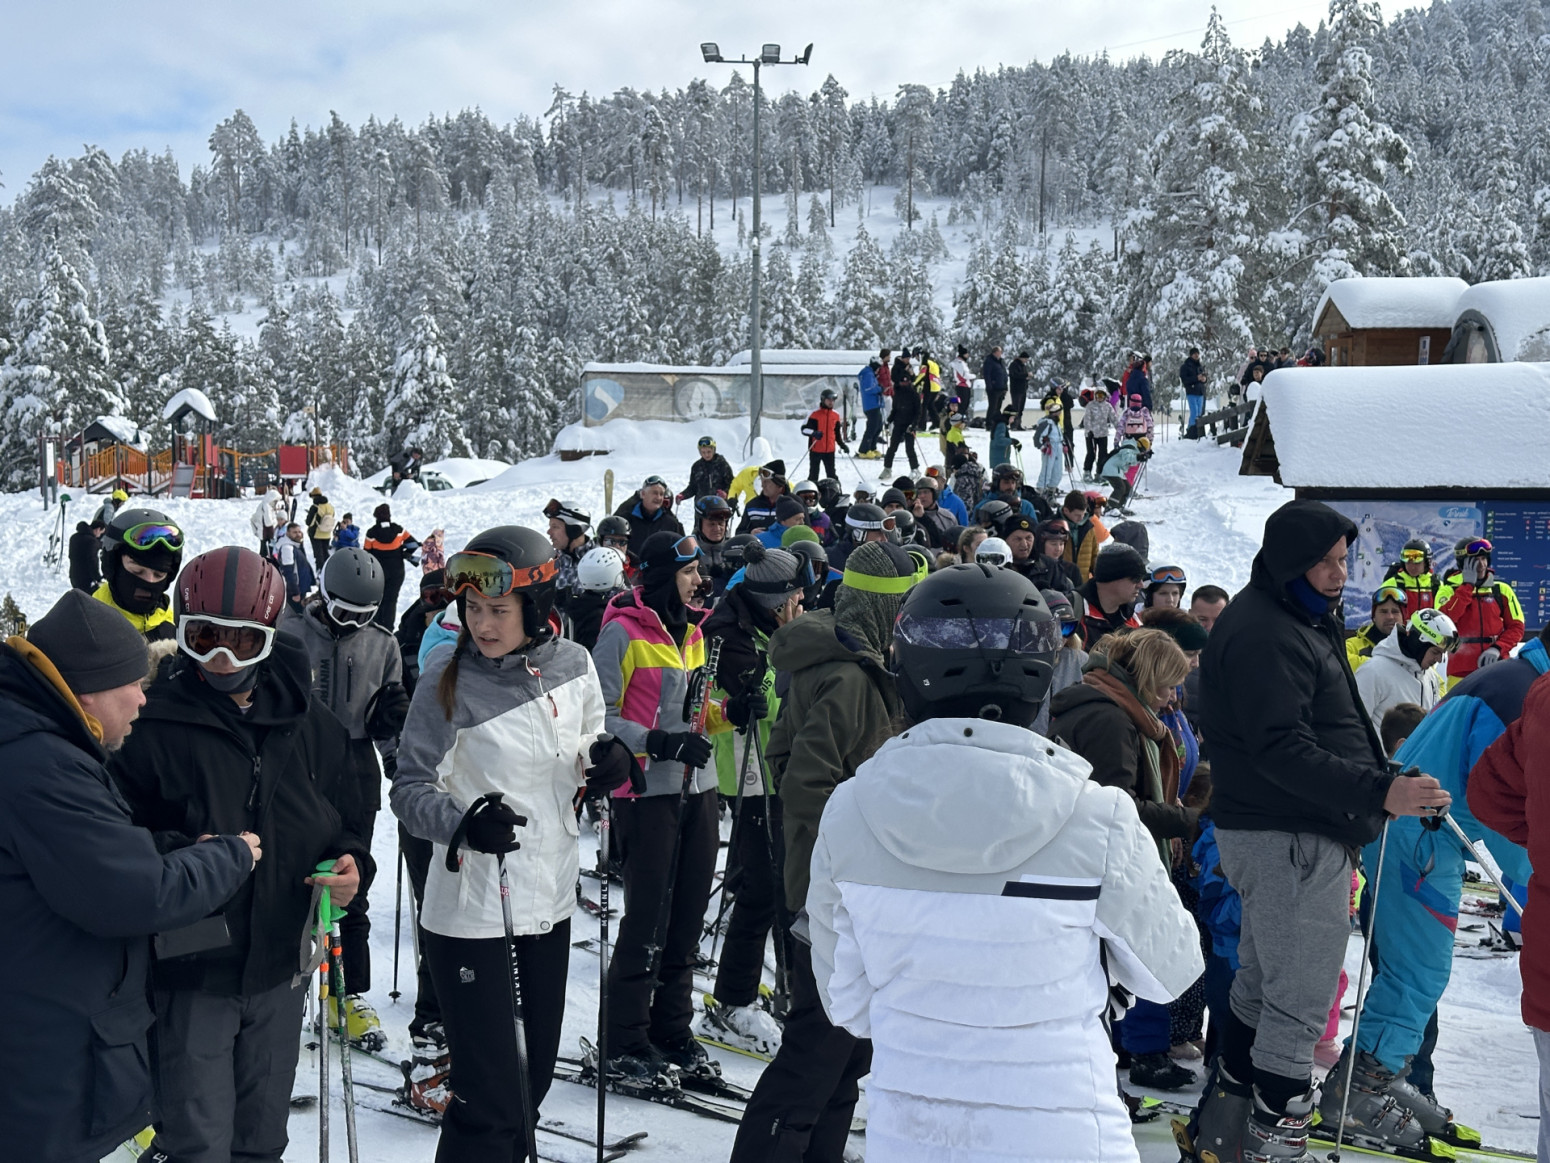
{"x":750,"y":1028}
{"x":638,"y":1071}
{"x":688,"y":1058}
{"x":1372,"y":1113}
{"x":1272,"y":1138}
{"x":361,"y":1023}
{"x":1435,"y":1119}
{"x":1220,"y":1120}
{"x":426,"y":1075}
{"x":1159,"y":1072}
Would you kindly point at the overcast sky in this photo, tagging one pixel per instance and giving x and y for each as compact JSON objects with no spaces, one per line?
{"x":161,"y":73}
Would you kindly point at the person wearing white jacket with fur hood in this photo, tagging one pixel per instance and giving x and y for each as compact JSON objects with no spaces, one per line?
{"x":510,"y":709}
{"x":1402,"y":668}
{"x":969,"y":886}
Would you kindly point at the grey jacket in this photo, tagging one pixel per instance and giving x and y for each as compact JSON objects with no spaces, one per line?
{"x":1069,"y":661}
{"x":347,"y":670}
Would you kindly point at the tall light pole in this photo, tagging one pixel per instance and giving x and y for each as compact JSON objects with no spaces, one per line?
{"x":769,"y":54}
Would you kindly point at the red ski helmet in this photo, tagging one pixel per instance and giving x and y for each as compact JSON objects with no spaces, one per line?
{"x":232,"y":583}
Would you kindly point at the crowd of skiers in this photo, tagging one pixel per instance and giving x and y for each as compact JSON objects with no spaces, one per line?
{"x":1013,"y":803}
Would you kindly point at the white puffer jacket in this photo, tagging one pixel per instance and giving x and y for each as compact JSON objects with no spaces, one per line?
{"x":1391,"y":677}
{"x":962,"y":884}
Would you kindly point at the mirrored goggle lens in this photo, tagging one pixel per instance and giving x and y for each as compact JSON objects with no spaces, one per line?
{"x":991,"y":558}
{"x":1412,"y":555}
{"x":169,"y":537}
{"x":246,"y":644}
{"x":1168,"y":575}
{"x":1475,"y":548}
{"x":650,"y":481}
{"x":1016,"y":635}
{"x":1389,"y":594}
{"x":479,"y":572}
{"x":1068,"y":628}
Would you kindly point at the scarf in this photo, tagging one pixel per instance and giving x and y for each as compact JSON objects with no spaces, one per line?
{"x":1164,"y":776}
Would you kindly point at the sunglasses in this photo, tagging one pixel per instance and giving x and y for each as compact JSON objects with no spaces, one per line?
{"x":491,"y":577}
{"x":154,"y":533}
{"x":614,"y":542}
{"x":202,"y":637}
{"x":1412,"y":555}
{"x":1168,"y":575}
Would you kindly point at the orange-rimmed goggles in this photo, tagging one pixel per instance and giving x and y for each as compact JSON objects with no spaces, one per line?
{"x":492,"y":577}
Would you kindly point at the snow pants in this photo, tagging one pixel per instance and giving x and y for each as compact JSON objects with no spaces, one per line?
{"x":646,"y":828}
{"x":817,"y":461}
{"x":1051,"y":469}
{"x":751,"y":879}
{"x":417,"y":863}
{"x":319,"y":552}
{"x":224,"y":1070}
{"x":1097,"y":452}
{"x":1296,"y":890}
{"x":802,"y":1105}
{"x":483,"y":1123}
{"x":874,"y":430}
{"x":901,"y":434}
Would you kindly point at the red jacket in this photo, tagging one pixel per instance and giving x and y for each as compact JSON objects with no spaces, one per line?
{"x":1509,"y":790}
{"x":822,"y":430}
{"x":1487,"y":615}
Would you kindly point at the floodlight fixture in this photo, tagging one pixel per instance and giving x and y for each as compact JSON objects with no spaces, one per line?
{"x":770,"y":54}
{"x":711,"y":52}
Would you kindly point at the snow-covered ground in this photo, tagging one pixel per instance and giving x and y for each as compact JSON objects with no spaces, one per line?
{"x":1200,"y":515}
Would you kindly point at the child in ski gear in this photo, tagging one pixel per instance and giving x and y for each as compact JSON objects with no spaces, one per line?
{"x":918,"y":915}
{"x":142,"y":550}
{"x":1388,"y":611}
{"x":649,"y":655}
{"x":346,"y":534}
{"x":509,"y":708}
{"x":1401,"y":669}
{"x":1298,"y":768}
{"x":1119,"y":472}
{"x":84,"y":887}
{"x":231,"y":737}
{"x":1087,"y":533}
{"x":110,"y":506}
{"x":391,"y":544}
{"x":837,"y":710}
{"x":1165,"y":586}
{"x":710,"y":475}
{"x":320,"y":526}
{"x":1412,"y":573}
{"x":1484,"y":608}
{"x":1136,"y":420}
{"x":1097,"y":424}
{"x":1047,"y":439}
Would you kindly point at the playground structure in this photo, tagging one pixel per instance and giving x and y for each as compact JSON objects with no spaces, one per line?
{"x":112,"y":453}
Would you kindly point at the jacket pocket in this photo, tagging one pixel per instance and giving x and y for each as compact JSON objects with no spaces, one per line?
{"x":120,"y":1068}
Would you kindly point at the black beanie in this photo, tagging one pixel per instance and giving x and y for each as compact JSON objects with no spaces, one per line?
{"x":787,"y":508}
{"x":1118,"y":563}
{"x":92,"y":645}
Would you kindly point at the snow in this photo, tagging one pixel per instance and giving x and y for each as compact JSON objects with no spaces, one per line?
{"x":192,"y":398}
{"x":1514,"y":310}
{"x":125,"y":431}
{"x":1423,"y":302}
{"x":769,"y":355}
{"x":1391,"y":427}
{"x":458,"y":471}
{"x":1200,"y":514}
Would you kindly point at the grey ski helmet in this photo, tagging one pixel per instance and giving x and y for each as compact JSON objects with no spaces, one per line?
{"x":351,"y":584}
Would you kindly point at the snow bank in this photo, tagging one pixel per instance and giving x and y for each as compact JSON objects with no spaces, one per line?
{"x":1513,"y":311}
{"x":1398,"y":427}
{"x":1365,"y":303}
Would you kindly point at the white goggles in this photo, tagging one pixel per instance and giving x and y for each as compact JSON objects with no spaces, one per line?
{"x":203,"y":636}
{"x":347,"y":615}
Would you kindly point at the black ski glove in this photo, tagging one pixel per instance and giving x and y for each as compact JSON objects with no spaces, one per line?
{"x":748,"y":707}
{"x":494,"y":830}
{"x":612,"y":765}
{"x":386,"y":711}
{"x":679,"y":747}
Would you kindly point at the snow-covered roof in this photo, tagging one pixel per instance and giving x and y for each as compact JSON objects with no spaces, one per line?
{"x":1367,"y":303}
{"x":778,"y":364}
{"x":1514,"y":310}
{"x":123,"y":430}
{"x":1399,"y":427}
{"x":769,"y":355}
{"x":193,"y":399}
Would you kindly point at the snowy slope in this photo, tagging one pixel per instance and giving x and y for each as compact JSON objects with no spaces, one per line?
{"x":1200,"y":515}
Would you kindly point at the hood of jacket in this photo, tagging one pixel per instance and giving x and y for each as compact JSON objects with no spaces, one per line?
{"x":814,"y":639}
{"x":1297,"y":536}
{"x":280,"y":698}
{"x":641,"y":620}
{"x":1390,"y":649}
{"x":969,"y":795}
{"x":38,"y":701}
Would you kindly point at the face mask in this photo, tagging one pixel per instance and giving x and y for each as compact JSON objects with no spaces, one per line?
{"x":231,"y":684}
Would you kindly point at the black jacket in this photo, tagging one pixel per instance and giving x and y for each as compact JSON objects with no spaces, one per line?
{"x":993,"y":371}
{"x":709,"y":477}
{"x":1044,"y":572}
{"x":1096,"y":623}
{"x":81,"y":890}
{"x":1084,"y":719}
{"x":734,"y":622}
{"x":85,"y":558}
{"x":642,"y":526}
{"x":1192,"y":376}
{"x":1017,"y":374}
{"x":197,"y":764}
{"x":1291,"y":747}
{"x":906,"y":405}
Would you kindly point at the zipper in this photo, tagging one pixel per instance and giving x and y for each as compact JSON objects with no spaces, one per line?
{"x":349,"y":679}
{"x":258,"y":765}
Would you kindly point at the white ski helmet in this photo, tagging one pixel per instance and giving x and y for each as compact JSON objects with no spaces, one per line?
{"x":1435,"y":629}
{"x":601,"y":569}
{"x":993,"y":551}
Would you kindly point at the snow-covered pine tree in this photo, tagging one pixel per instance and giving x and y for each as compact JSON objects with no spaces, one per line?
{"x":421,"y":406}
{"x":1492,"y":239}
{"x":861,"y":306}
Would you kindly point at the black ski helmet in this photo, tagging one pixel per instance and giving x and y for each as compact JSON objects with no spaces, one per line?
{"x":530,"y":554}
{"x":904,"y":530}
{"x":351,"y":576}
{"x":1417,"y":543}
{"x":863,"y":518}
{"x":975,"y":642}
{"x":991,"y":513}
{"x":613,"y":526}
{"x":159,"y":535}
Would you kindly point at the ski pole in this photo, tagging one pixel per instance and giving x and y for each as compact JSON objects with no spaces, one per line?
{"x":776,"y":845}
{"x":737,"y":819}
{"x":1447,"y":818}
{"x":604,"y":831}
{"x":322,"y":929}
{"x":1361,"y":990}
{"x":398,"y":920}
{"x":336,"y":959}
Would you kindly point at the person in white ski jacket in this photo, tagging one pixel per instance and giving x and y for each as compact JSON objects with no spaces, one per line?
{"x":1403,"y":667}
{"x":969,"y":886}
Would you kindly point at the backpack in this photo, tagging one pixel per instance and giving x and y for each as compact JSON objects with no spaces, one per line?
{"x":969,"y":483}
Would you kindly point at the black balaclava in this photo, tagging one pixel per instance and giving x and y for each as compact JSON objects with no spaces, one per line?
{"x":659,"y":582}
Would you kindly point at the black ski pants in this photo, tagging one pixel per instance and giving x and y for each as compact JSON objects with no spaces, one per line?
{"x":801,"y":1108}
{"x":873,"y":432}
{"x":224,"y":1067}
{"x":646,"y":828}
{"x":1097,"y":452}
{"x":820,"y":460}
{"x":417,"y":863}
{"x":319,"y":552}
{"x":901,"y":434}
{"x":751,"y":880}
{"x":993,"y":407}
{"x":483,"y":1123}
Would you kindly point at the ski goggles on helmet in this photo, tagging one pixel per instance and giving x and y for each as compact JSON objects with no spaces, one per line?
{"x":652,"y":480}
{"x":491,"y":577}
{"x":1069,"y":628}
{"x":1388,"y":594}
{"x":567,"y":513}
{"x":1015,"y":635}
{"x":686,"y":549}
{"x":1167,"y":575}
{"x":1412,"y":555}
{"x":705,"y":442}
{"x":345,"y":614}
{"x":1436,"y":628}
{"x":1480,"y":547}
{"x":150,"y":534}
{"x":713,"y":508}
{"x":203,"y":636}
